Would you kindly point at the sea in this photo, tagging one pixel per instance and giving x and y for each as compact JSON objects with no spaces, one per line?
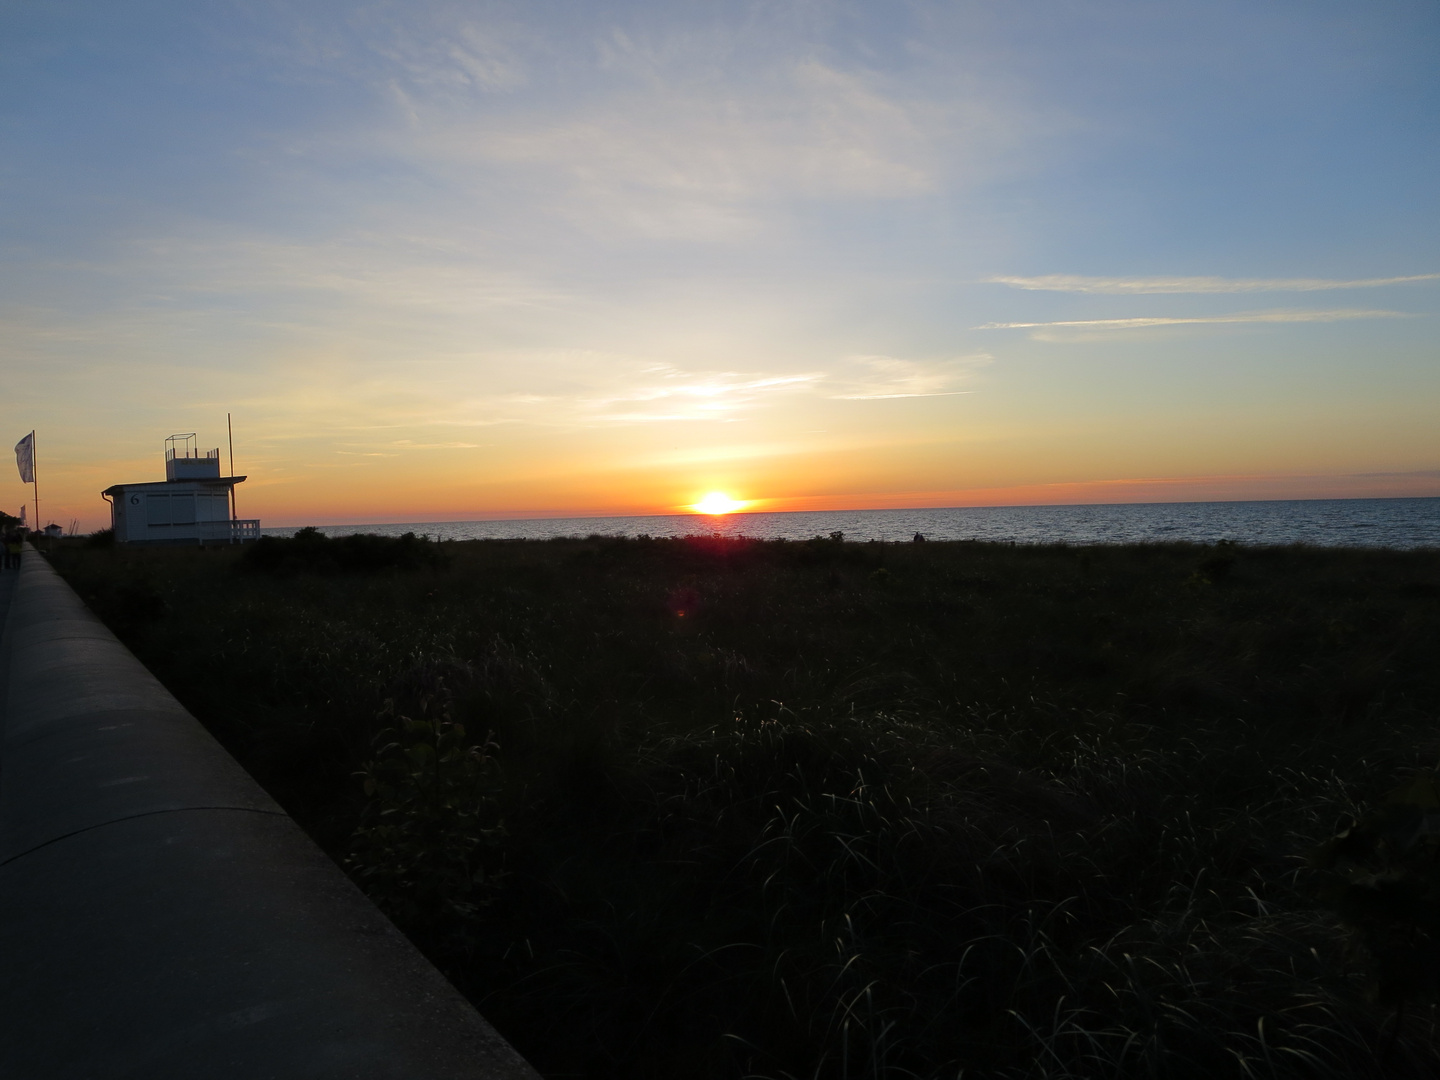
{"x":1377,"y":523}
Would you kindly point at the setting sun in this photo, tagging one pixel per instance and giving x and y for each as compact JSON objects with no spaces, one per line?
{"x":717,"y":502}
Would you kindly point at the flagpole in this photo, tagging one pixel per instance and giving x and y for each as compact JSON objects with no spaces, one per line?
{"x":35,"y":477}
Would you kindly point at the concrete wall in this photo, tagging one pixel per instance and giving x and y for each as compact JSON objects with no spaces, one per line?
{"x":160,"y":916}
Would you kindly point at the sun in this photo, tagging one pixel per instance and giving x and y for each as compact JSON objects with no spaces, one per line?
{"x":717,"y":502}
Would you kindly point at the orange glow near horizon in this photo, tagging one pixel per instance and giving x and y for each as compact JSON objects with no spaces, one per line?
{"x":717,"y":502}
{"x":315,"y":486}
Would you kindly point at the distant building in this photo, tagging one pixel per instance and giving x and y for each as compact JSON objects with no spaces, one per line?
{"x":191,"y":506}
{"x":53,"y":531}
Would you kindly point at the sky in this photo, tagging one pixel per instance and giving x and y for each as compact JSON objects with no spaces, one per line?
{"x":445,"y":261}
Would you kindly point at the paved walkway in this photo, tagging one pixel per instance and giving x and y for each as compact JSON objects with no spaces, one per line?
{"x":7,"y":590}
{"x":160,"y":916}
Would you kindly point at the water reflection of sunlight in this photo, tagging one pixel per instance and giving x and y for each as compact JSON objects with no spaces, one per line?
{"x":717,"y":502}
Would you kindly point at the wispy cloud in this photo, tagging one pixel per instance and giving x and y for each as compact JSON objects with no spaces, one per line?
{"x":883,"y":377}
{"x":668,"y":393}
{"x":407,"y":444}
{"x":1134,"y":286}
{"x":1334,"y":315}
{"x":689,"y":156}
{"x":421,"y":272}
{"x":455,"y":60}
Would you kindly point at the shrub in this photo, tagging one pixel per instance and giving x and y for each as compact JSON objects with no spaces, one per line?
{"x":419,"y":851}
{"x":310,"y":551}
{"x":1383,"y":882}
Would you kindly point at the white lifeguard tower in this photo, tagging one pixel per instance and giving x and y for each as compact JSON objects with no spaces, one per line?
{"x":193,"y":505}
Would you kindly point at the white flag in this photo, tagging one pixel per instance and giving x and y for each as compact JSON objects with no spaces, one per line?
{"x":25,"y":458}
{"x":22,"y":514}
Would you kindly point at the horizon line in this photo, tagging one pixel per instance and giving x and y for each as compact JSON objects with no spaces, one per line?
{"x":851,"y":510}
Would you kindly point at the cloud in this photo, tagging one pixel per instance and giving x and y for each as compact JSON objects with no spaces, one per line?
{"x":1424,"y":474}
{"x":689,"y":134}
{"x":689,"y":158}
{"x":667,"y":393}
{"x":1134,"y":286}
{"x":407,"y":444}
{"x":467,"y":58}
{"x":417,"y":271}
{"x":891,"y":377}
{"x":1334,"y":315}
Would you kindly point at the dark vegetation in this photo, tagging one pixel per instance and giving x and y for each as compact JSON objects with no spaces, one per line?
{"x":711,"y":808}
{"x":310,"y":551}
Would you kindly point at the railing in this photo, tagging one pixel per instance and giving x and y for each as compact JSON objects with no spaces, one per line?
{"x":171,"y":454}
{"x":192,"y":465}
{"x":237,"y":531}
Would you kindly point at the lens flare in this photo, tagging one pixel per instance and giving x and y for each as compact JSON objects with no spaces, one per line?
{"x":717,"y":502}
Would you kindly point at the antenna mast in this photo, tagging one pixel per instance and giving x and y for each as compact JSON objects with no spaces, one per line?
{"x":230,"y":433}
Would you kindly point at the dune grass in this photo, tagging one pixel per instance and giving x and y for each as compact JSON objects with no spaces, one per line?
{"x":830,"y":809}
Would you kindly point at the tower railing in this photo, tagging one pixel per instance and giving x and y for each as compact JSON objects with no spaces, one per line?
{"x":237,"y":531}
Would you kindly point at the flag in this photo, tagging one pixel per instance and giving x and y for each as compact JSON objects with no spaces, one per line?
{"x":22,"y":513}
{"x":25,"y":458}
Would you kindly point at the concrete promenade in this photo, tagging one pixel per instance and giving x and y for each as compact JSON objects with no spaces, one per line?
{"x":160,"y":916}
